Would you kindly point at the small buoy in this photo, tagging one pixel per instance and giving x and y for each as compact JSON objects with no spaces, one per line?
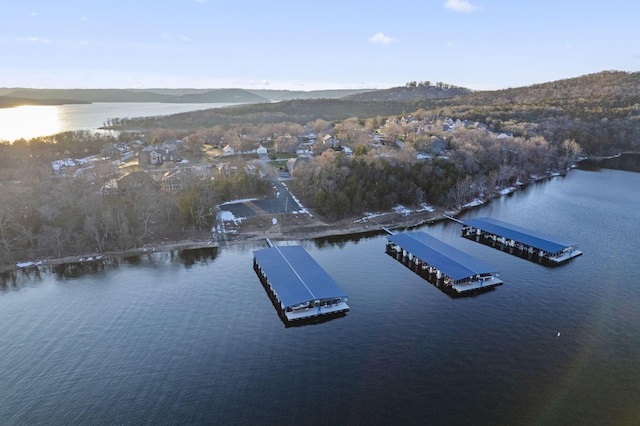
{"x":558,"y":334}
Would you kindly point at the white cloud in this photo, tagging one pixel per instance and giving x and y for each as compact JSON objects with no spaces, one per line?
{"x":35,"y":39}
{"x":380,"y":38}
{"x":460,"y":5}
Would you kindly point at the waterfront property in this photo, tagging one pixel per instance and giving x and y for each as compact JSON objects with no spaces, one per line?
{"x":520,"y":241}
{"x":441,"y":262}
{"x":299,"y":287}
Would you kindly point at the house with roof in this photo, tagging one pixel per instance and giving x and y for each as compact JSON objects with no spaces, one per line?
{"x":261,"y":150}
{"x":110,"y":151}
{"x":228,"y":150}
{"x":156,"y":155}
{"x":136,"y":181}
{"x":505,"y":135}
{"x":130,"y":182}
{"x":438,"y":145}
{"x":175,"y":180}
{"x":150,"y":155}
{"x":304,"y":148}
{"x":330,"y":141}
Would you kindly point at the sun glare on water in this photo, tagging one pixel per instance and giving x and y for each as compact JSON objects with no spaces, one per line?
{"x":28,"y":122}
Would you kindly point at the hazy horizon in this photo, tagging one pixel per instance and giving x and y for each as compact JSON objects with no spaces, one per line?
{"x":284,"y":45}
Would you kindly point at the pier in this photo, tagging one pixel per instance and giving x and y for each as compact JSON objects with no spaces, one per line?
{"x":520,"y":241}
{"x":299,"y":287}
{"x":441,"y":263}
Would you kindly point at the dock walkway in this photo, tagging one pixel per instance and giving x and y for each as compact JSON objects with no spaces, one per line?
{"x":519,"y":240}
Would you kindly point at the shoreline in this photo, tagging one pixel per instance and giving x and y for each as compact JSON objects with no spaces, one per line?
{"x":249,"y":236}
{"x":307,"y":231}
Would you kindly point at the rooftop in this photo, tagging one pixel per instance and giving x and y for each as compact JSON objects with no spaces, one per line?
{"x":295,"y":276}
{"x":522,"y":235}
{"x":447,"y":259}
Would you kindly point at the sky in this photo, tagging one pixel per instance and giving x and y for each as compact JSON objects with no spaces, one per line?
{"x":298,"y":45}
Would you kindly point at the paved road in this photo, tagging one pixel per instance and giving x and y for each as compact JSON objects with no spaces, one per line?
{"x":282,"y":202}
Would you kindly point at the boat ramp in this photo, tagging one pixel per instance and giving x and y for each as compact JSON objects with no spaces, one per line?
{"x":441,"y":263}
{"x":299,"y":287}
{"x":520,"y":241}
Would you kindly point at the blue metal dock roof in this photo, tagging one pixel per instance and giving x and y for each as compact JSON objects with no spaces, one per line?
{"x":295,"y":276}
{"x":529,"y":237}
{"x":449,"y":260}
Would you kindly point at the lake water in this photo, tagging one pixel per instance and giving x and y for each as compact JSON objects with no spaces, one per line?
{"x":33,"y":121}
{"x":192,"y":337}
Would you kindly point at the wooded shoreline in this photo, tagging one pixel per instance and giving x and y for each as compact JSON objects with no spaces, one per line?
{"x":253,"y":234}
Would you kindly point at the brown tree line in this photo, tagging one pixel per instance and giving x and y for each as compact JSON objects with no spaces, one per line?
{"x":599,"y":111}
{"x":551,"y":124}
{"x":478,"y":164}
{"x":45,"y":216}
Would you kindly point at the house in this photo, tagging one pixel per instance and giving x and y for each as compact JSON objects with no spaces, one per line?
{"x":226,"y":170}
{"x":261,"y":150}
{"x":150,"y":155}
{"x":136,"y":181}
{"x":155,"y":155}
{"x":110,"y":151}
{"x":130,"y":182}
{"x":303,"y":148}
{"x":63,"y":164}
{"x":438,"y":145}
{"x":228,"y":150}
{"x":175,"y":180}
{"x":330,"y":141}
{"x":170,"y":150}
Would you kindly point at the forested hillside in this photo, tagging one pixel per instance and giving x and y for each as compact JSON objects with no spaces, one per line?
{"x":12,"y":101}
{"x":368,"y":156}
{"x":25,"y":96}
{"x":601,"y":111}
{"x":412,"y":91}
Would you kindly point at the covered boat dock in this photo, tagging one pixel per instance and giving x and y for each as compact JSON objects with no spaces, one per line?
{"x":301,"y":288}
{"x":456,"y":269}
{"x":519,"y":240}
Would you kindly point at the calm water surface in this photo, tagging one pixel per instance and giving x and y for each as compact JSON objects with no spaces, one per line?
{"x":33,"y":121}
{"x":192,"y":338}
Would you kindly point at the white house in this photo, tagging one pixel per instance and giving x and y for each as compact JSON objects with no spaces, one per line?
{"x":228,"y":150}
{"x":261,"y":150}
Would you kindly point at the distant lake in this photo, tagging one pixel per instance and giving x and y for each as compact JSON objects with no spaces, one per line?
{"x":33,"y":121}
{"x":192,"y":337}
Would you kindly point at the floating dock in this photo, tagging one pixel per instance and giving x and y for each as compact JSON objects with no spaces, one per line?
{"x":448,"y":265}
{"x":300,"y":288}
{"x":520,"y":241}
